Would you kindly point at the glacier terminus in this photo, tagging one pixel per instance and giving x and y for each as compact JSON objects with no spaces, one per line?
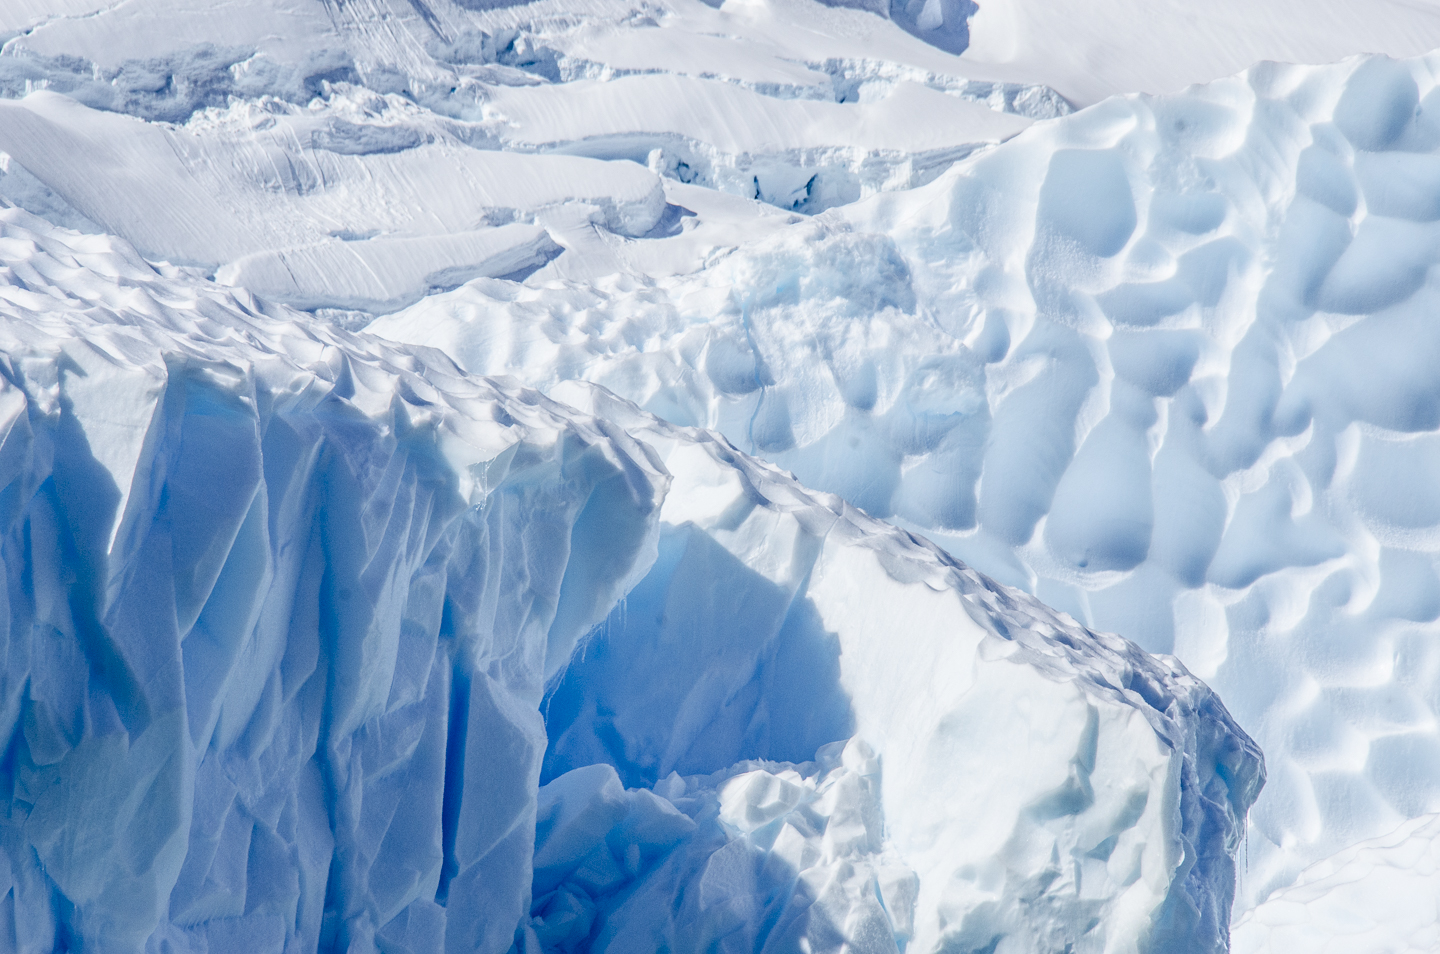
{"x":736,"y":476}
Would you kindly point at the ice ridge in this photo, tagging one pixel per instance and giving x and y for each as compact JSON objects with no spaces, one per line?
{"x":1164,"y":363}
{"x":298,"y":622}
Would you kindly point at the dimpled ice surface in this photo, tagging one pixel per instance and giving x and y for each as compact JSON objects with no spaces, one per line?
{"x":594,"y":475}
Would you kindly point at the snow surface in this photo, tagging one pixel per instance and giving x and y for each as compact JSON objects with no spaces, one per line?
{"x":1381,"y":895}
{"x":1163,"y":363}
{"x":286,"y":606}
{"x":1093,"y":50}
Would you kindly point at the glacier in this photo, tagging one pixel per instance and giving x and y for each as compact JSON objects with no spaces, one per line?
{"x":1164,"y":363}
{"x":315,"y":641}
{"x":1155,"y":356}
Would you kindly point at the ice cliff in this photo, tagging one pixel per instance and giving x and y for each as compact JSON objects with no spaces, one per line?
{"x":313,"y":641}
{"x":1162,"y":363}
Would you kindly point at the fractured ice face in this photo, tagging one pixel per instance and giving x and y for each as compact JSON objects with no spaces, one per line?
{"x":300,"y":621}
{"x":1163,"y":364}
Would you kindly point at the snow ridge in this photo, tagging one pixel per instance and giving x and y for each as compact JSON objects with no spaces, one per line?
{"x":298,"y":622}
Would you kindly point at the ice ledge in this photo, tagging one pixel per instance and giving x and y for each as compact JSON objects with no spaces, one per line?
{"x":285,"y":607}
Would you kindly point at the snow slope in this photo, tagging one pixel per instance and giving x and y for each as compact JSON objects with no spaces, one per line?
{"x":1377,"y":896}
{"x":1164,"y":363}
{"x":286,"y":605}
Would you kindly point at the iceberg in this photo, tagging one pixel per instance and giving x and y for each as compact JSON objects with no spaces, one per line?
{"x":1162,"y":364}
{"x":316,"y":643}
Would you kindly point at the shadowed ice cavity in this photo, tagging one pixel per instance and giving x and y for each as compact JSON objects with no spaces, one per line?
{"x":705,"y":663}
{"x":705,"y":668}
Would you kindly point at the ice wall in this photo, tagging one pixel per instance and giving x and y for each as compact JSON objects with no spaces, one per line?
{"x":280,"y":605}
{"x":298,"y":622}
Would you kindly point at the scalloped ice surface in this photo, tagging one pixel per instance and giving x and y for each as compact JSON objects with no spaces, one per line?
{"x":1166,"y":363}
{"x":285,"y":605}
{"x":1163,"y":364}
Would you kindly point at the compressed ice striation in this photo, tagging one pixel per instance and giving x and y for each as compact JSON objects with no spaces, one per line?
{"x":315,"y":643}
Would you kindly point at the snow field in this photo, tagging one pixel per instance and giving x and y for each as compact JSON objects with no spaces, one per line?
{"x":1379,"y":895}
{"x":1163,"y":363}
{"x":325,"y":587}
{"x":371,"y":217}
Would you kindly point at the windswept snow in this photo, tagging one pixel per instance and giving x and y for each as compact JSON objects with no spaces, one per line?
{"x":1165,"y":364}
{"x":1378,"y":897}
{"x":324,"y":207}
{"x":286,"y":606}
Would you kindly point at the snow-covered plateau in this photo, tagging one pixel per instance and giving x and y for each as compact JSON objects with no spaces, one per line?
{"x":661,"y":475}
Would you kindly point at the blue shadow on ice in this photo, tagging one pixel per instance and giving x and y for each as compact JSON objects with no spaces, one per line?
{"x":704,"y":664}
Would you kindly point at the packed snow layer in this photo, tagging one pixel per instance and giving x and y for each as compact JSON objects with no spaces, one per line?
{"x":1094,"y":50}
{"x":1164,"y":363}
{"x":298,"y":621}
{"x":799,"y":154}
{"x":1378,"y":897}
{"x":801,"y":106}
{"x":325,"y":206}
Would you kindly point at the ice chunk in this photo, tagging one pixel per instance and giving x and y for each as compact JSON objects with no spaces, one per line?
{"x":383,"y":274}
{"x":275,"y":666}
{"x":359,"y":605}
{"x":931,"y":673}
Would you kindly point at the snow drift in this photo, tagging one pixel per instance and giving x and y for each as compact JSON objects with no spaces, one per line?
{"x":1373,"y":897}
{"x":298,"y":622}
{"x":1165,"y":363}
